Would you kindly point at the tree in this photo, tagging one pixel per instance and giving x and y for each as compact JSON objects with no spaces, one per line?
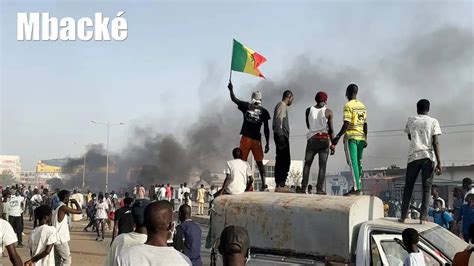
{"x":7,"y":178}
{"x":295,"y":177}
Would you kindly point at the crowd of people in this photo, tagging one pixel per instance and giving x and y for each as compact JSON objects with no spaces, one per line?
{"x":144,"y":230}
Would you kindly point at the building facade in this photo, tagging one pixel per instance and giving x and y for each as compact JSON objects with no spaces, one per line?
{"x":11,"y":164}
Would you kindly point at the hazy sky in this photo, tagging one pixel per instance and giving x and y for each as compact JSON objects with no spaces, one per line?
{"x":51,"y":90}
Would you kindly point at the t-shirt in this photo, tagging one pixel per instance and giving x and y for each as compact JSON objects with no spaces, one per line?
{"x":281,"y":126}
{"x":443,"y":203}
{"x":188,"y":240}
{"x":36,"y":201}
{"x":238,"y":171}
{"x":123,"y":242}
{"x":144,"y":255}
{"x":101,"y":210}
{"x":254,"y":116}
{"x":40,"y":238}
{"x":168,"y":192}
{"x":414,"y":259}
{"x":441,"y":218}
{"x":124,"y":219}
{"x":163,"y":192}
{"x":7,"y":234}
{"x":422,"y":128}
{"x":467,"y":214}
{"x":15,"y":205}
{"x":356,"y":114}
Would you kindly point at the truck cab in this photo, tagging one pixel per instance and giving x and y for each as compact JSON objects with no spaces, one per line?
{"x":299,"y":229}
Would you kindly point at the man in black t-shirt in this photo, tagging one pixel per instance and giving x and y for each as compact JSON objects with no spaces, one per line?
{"x":123,"y":222}
{"x":254,"y":115}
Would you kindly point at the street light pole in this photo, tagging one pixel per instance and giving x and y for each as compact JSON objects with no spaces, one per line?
{"x":108,"y":125}
{"x":107,"y":164}
{"x":84,"y":173}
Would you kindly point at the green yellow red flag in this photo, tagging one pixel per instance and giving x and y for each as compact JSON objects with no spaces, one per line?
{"x":246,"y":60}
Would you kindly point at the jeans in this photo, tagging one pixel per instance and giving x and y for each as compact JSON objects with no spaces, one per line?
{"x":282,"y":160}
{"x":315,"y":146}
{"x":17,"y":224}
{"x":426,"y":166}
{"x":62,"y":254}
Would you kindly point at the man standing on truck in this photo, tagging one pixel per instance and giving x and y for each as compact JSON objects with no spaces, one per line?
{"x":254,"y":116}
{"x":238,"y":175}
{"x":355,"y":131}
{"x":281,"y":135}
{"x":423,"y":132}
{"x":319,"y":124}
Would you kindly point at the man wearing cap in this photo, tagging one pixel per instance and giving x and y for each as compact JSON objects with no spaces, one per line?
{"x":254,"y":115}
{"x":319,"y":124}
{"x":234,"y":246}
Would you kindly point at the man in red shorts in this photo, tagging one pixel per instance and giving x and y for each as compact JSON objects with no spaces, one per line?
{"x":254,"y":116}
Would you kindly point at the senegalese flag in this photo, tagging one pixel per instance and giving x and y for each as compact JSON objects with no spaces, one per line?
{"x":246,"y":60}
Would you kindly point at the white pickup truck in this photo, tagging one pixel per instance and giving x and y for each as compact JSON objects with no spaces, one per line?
{"x":298,"y":229}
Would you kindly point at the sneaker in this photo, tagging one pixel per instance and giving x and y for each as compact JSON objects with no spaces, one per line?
{"x":350,"y":192}
{"x":284,"y":189}
{"x":20,"y":245}
{"x":320,"y":192}
{"x":102,"y":239}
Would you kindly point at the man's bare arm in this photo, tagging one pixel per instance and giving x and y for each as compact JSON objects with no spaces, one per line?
{"x":266,"y":131}
{"x":437,"y":152}
{"x":232,"y":95}
{"x":14,"y":258}
{"x":307,"y":116}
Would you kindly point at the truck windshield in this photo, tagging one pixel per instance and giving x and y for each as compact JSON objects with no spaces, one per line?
{"x":444,"y":241}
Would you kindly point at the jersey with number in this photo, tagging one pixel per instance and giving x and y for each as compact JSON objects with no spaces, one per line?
{"x":356,"y":114}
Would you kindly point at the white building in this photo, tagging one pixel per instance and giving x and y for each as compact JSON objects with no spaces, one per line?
{"x":11,"y":164}
{"x":295,"y":174}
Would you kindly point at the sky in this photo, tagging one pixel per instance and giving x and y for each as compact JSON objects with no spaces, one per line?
{"x":50,"y":91}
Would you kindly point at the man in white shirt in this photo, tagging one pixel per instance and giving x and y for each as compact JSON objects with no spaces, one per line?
{"x":423,"y":132}
{"x":180,"y":194}
{"x":238,"y":175}
{"x":62,"y":254}
{"x":415,"y":256}
{"x":36,"y":201}
{"x":16,"y":207}
{"x":42,"y":239}
{"x":435,"y":196}
{"x":158,"y":222}
{"x":186,"y":190}
{"x":8,"y":239}
{"x":162,"y":192}
{"x":139,"y":236}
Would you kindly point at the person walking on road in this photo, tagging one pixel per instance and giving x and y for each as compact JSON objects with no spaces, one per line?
{"x":319,"y":123}
{"x":254,"y":115}
{"x":201,"y":198}
{"x":354,"y":130}
{"x":281,"y":136}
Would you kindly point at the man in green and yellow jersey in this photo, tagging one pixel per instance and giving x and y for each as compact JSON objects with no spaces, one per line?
{"x":355,"y":131}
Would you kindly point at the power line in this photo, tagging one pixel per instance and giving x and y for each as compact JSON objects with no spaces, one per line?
{"x":401,"y":130}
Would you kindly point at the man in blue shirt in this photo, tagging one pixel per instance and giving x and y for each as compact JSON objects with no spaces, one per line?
{"x":188,"y":236}
{"x":467,"y":216}
{"x":440,"y":216}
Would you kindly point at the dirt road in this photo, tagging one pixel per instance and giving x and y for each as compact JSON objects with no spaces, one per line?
{"x":85,"y":250}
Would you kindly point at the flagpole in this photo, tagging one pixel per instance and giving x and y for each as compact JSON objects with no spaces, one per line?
{"x":230,"y":76}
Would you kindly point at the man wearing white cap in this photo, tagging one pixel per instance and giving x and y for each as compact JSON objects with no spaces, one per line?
{"x":254,"y":116}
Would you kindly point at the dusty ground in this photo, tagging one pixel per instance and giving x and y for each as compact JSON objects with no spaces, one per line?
{"x":85,"y":250}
